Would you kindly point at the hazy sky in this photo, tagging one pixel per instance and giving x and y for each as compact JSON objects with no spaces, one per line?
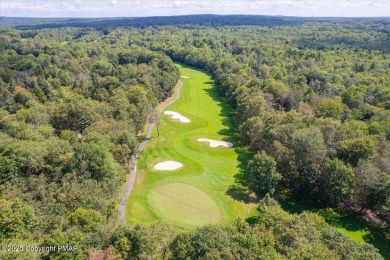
{"x":113,"y":8}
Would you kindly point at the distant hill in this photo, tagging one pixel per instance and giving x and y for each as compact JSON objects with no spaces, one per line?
{"x":185,"y":21}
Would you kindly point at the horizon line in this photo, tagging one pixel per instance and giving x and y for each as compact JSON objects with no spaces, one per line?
{"x":181,"y":15}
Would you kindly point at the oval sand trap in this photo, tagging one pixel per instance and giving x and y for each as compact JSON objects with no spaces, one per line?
{"x":185,"y":77}
{"x":184,"y":204}
{"x":176,"y":115}
{"x":215,"y":143}
{"x":168,"y":166}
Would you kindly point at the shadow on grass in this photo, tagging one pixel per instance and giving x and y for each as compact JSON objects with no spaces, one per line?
{"x":241,"y":193}
{"x":350,"y":223}
{"x":238,"y":190}
{"x":377,"y":237}
{"x":293,"y":206}
{"x":226,"y":113}
{"x":252,"y":220}
{"x":380,"y":241}
{"x":371,"y":234}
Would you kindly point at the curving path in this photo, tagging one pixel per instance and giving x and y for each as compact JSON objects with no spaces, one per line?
{"x":203,"y":191}
{"x":131,"y":179}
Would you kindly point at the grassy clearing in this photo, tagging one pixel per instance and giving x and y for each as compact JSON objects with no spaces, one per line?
{"x":183,"y":204}
{"x":210,"y":170}
{"x":356,"y":227}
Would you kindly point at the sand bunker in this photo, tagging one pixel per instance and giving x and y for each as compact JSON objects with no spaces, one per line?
{"x":168,"y":166}
{"x":185,"y":77}
{"x":175,"y":115}
{"x":215,"y":143}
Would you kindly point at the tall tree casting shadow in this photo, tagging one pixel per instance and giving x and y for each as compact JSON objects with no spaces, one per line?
{"x":238,"y":190}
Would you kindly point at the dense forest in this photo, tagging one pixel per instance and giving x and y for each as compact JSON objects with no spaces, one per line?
{"x":315,"y":112}
{"x":312,"y":101}
{"x":70,"y":114}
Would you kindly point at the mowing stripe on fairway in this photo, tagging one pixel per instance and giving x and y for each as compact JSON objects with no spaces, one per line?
{"x":184,"y":204}
{"x":208,"y":173}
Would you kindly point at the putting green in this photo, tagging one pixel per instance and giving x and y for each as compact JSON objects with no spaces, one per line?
{"x":208,"y":173}
{"x":184,"y":204}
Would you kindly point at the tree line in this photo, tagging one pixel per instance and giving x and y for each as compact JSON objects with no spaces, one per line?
{"x":71,"y":105}
{"x":312,"y":115}
{"x":315,"y":118}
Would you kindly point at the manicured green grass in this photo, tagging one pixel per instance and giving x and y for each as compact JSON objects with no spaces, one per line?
{"x":183,"y":204}
{"x":209,"y":170}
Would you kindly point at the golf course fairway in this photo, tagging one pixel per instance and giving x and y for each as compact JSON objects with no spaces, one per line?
{"x":194,"y":194}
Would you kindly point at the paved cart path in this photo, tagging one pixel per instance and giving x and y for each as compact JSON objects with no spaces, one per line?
{"x":131,"y":179}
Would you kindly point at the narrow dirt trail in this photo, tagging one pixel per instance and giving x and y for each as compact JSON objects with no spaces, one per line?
{"x":131,"y":179}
